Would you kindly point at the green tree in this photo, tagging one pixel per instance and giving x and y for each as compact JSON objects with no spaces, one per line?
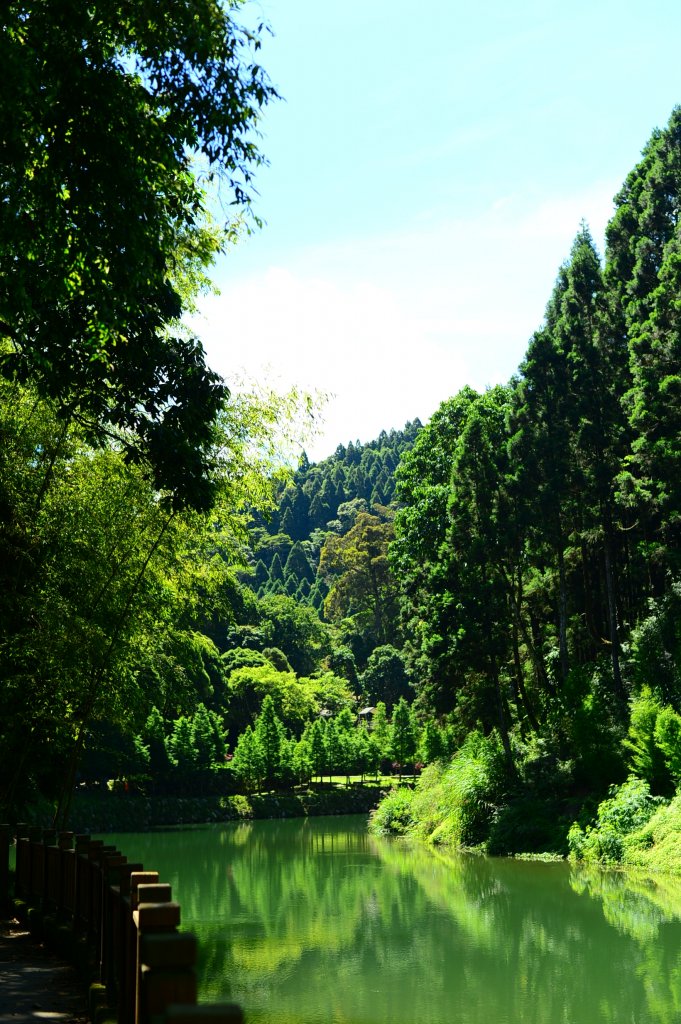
{"x":432,"y":745}
{"x":356,"y":567}
{"x":102,"y":213}
{"x":385,"y":676}
{"x":380,"y":729}
{"x":250,"y":687}
{"x":248,"y":759}
{"x":154,"y":737}
{"x":103,"y":584}
{"x":402,"y":734}
{"x":642,"y":273}
{"x":268,"y":734}
{"x":423,"y":490}
{"x":318,"y":755}
{"x":296,"y":630}
{"x":334,"y":748}
{"x":297,"y":564}
{"x":207,"y":738}
{"x":668,"y":739}
{"x":302,"y":759}
{"x":181,"y":749}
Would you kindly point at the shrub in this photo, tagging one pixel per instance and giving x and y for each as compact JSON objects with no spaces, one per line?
{"x":668,"y":739}
{"x":455,"y":804}
{"x":628,"y":808}
{"x":393,"y":816}
{"x":645,"y":756}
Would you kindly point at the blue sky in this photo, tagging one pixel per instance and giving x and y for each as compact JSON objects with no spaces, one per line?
{"x":428,"y":169}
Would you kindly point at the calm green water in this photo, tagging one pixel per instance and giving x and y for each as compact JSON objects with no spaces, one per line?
{"x":312,"y":920}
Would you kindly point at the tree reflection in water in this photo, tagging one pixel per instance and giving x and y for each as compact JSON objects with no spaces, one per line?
{"x":313,"y":920}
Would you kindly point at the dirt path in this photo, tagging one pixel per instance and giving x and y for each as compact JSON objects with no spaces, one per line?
{"x":35,"y":985}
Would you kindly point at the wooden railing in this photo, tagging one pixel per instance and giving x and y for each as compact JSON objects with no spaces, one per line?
{"x":116,"y":920}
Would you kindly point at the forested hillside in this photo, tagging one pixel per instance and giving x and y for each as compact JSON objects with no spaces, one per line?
{"x":321,"y":500}
{"x":494,"y":597}
{"x":537,"y":547}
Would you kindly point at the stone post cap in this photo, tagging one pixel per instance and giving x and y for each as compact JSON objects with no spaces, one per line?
{"x":157,"y":916}
{"x":154,"y":892}
{"x":138,"y":878}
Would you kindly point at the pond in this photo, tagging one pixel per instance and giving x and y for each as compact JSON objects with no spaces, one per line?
{"x":313,"y":920}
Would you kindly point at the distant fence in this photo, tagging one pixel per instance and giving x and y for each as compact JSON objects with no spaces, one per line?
{"x":120,"y":920}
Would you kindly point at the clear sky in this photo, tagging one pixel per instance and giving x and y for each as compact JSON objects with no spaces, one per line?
{"x":429,"y":168}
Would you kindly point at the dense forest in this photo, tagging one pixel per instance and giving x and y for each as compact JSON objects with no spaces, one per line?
{"x":493,"y":597}
{"x":537,"y":546}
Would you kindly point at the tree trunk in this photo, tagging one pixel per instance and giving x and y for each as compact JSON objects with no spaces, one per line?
{"x":520,"y":683}
{"x":612,"y":617}
{"x":501,"y":717}
{"x":562,"y":615}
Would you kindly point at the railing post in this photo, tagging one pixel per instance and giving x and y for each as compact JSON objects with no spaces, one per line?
{"x":126,"y":947}
{"x":22,"y":878}
{"x":52,"y":879}
{"x":111,"y":866}
{"x":96,"y":855}
{"x":165,"y":958}
{"x":36,"y":862}
{"x":137,"y":878}
{"x":81,"y":884}
{"x":67,"y":876}
{"x":5,"y":843}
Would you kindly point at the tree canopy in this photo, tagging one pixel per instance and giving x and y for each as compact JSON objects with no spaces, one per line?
{"x":111,"y":115}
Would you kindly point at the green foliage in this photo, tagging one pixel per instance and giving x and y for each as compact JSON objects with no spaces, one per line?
{"x":268,"y":735}
{"x":104,"y":589}
{"x":385,"y":677}
{"x":591,"y":723}
{"x":655,"y":846}
{"x":181,"y":749}
{"x":248,"y":760}
{"x":432,"y":743}
{"x":527,"y":583}
{"x":627,"y":809}
{"x":318,"y":748}
{"x":668,"y":739}
{"x":335,"y":749}
{"x":381,"y":728}
{"x":645,"y":755}
{"x":154,"y":736}
{"x":330,"y":692}
{"x":251,"y":687}
{"x":207,"y":737}
{"x":454,"y":804}
{"x":394,"y":816}
{"x":244,"y":657}
{"x":296,"y":630}
{"x":277,"y":658}
{"x":103,"y":219}
{"x":402,"y":739}
{"x":656,"y":647}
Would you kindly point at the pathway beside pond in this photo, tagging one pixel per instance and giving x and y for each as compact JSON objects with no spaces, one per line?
{"x":35,"y":985}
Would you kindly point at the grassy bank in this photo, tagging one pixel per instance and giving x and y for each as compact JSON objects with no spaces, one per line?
{"x":631,"y":828}
{"x":467,"y":804}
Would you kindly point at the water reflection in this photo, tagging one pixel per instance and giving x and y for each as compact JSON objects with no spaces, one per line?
{"x":312,"y":920}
